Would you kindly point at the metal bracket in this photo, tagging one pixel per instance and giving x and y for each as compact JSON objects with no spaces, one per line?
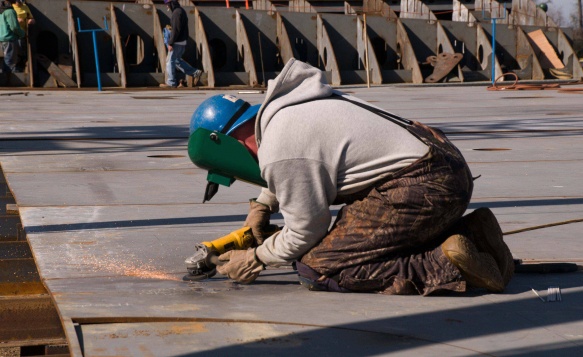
{"x":443,"y":63}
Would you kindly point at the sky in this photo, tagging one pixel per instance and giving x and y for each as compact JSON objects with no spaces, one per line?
{"x":564,"y":7}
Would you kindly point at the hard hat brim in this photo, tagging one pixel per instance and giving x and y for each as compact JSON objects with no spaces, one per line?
{"x":245,"y":117}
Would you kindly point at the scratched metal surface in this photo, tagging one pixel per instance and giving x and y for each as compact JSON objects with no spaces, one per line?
{"x":110,"y":219}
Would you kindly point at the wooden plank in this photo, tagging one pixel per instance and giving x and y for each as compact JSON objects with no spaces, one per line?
{"x":9,"y":227}
{"x":29,"y":318}
{"x":57,"y":73}
{"x":544,"y":51}
{"x":4,"y":202}
{"x":15,"y":250}
{"x":18,"y":271}
{"x":22,"y":288}
{"x":66,"y":64}
{"x":12,"y":209}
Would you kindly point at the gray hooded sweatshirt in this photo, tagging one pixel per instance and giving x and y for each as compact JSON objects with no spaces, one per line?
{"x":312,"y":152}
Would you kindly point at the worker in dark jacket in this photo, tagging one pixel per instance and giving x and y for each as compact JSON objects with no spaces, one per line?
{"x":10,"y":33}
{"x":176,"y":46}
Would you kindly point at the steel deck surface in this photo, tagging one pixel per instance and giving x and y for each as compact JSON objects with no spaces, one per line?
{"x":111,"y":206}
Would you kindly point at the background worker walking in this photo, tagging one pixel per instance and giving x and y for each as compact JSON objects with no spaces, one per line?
{"x":176,"y":46}
{"x":25,"y":19}
{"x":10,"y":33}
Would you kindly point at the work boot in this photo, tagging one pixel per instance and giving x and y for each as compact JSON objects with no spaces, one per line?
{"x":196,"y":77}
{"x":479,"y":269}
{"x":482,"y":228}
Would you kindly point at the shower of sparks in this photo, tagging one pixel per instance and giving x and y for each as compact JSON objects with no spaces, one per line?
{"x":126,"y":267}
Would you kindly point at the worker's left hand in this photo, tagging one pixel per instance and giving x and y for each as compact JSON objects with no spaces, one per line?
{"x":258,"y":220}
{"x":240,"y":265}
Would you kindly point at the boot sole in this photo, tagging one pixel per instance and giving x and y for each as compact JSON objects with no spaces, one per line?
{"x":478,"y":268}
{"x":492,"y":243}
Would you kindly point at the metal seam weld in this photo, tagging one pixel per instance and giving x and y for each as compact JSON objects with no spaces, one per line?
{"x":112,"y":320}
{"x":543,"y":226}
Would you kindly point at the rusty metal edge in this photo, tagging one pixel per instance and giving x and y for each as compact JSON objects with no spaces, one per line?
{"x":71,"y":335}
{"x":72,"y":343}
{"x":40,"y":283}
{"x":38,"y":342}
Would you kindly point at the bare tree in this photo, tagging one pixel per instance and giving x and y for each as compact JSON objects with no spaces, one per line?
{"x":578,"y":33}
{"x":554,"y":12}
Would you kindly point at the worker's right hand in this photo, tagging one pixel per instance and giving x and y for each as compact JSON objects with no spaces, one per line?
{"x":258,"y":220}
{"x":242,"y":266}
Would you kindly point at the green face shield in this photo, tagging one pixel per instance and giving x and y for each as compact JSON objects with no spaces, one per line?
{"x":225,"y":158}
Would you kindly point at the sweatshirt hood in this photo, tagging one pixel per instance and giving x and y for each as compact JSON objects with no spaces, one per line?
{"x":298,"y":82}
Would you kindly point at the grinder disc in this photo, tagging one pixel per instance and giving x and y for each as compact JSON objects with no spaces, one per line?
{"x":199,"y":277}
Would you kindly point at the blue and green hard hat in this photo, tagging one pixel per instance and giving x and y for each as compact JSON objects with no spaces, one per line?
{"x":222,"y":113}
{"x":211,"y":147}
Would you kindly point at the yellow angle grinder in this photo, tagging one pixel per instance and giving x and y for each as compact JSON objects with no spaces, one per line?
{"x":202,"y":265}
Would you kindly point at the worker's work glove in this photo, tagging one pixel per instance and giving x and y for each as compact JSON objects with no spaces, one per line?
{"x":240,"y":265}
{"x":258,"y":220}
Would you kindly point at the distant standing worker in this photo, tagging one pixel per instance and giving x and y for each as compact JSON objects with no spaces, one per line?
{"x":176,"y":47}
{"x":25,"y":19}
{"x":10,"y":33}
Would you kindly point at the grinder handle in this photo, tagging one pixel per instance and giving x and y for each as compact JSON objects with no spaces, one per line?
{"x":213,"y":258}
{"x":242,"y":239}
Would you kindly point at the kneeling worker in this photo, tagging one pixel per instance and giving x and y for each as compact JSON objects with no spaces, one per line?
{"x":404,"y":187}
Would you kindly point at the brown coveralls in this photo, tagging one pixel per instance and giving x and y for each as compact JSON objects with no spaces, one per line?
{"x":387,"y":238}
